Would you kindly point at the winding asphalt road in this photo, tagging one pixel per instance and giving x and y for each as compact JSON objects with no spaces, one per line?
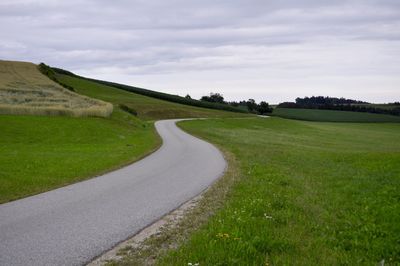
{"x":74,"y":224}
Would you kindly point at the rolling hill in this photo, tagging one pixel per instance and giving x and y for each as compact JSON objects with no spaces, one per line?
{"x":39,"y":153}
{"x":146,"y":107}
{"x":52,"y":72}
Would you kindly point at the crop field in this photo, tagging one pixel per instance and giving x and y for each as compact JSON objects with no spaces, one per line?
{"x":24,"y":90}
{"x":147,"y":108}
{"x":309,"y":193}
{"x":332,"y":115}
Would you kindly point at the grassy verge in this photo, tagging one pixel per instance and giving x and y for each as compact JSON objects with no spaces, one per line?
{"x":332,"y":115}
{"x":307,"y":194}
{"x":175,"y":232}
{"x":42,"y":153}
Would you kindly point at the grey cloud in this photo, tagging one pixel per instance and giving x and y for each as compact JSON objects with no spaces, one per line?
{"x":270,"y":40}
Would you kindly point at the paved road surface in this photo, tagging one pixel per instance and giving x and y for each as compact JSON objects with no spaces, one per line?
{"x":74,"y":224}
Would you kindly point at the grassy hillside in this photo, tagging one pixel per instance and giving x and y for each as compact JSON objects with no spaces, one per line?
{"x":146,"y":107}
{"x":24,"y":90}
{"x":158,"y":95}
{"x":308,"y":193}
{"x":332,"y":115}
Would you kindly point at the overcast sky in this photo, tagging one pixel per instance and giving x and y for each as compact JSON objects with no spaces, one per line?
{"x":263,"y":49}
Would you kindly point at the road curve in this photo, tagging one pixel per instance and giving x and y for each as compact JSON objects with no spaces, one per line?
{"x":73,"y":224}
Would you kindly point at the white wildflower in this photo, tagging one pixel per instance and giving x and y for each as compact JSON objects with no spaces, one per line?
{"x":267,"y":216}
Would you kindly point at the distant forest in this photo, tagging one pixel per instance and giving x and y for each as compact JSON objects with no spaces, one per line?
{"x":250,"y":105}
{"x":321,"y":100}
{"x":341,"y":104}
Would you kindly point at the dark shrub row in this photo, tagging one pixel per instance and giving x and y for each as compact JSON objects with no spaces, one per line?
{"x":49,"y":72}
{"x":128,"y":109}
{"x":321,"y":100}
{"x":343,"y":107}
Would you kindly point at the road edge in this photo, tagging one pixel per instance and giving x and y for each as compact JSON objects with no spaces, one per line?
{"x":174,"y":228}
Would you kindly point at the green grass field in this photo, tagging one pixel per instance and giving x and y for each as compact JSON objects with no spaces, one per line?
{"x":147,"y":108}
{"x":332,"y":115}
{"x":39,"y":153}
{"x":309,"y":193}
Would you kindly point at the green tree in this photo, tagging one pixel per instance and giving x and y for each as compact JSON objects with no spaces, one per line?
{"x":263,"y":108}
{"x":251,"y":105}
{"x":214,"y":98}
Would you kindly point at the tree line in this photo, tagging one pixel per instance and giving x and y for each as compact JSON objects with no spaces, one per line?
{"x":340,"y":104}
{"x":321,"y":100}
{"x":250,"y":105}
{"x":51,"y":74}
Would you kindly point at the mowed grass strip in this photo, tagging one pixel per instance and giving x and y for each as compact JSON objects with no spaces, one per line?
{"x":39,"y":153}
{"x":24,"y":90}
{"x":309,"y":194}
{"x":147,"y":108}
{"x":332,"y":115}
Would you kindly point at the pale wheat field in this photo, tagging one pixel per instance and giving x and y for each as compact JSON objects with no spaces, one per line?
{"x":24,"y":90}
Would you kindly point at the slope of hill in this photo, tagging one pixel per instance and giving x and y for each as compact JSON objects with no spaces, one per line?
{"x":24,"y":90}
{"x":145,"y":107}
{"x":156,"y":94}
{"x":332,"y":115}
